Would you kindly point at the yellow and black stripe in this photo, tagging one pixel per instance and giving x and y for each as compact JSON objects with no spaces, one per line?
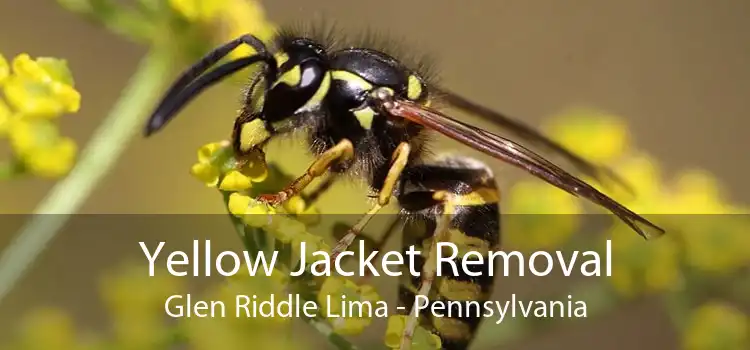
{"x":475,"y":226}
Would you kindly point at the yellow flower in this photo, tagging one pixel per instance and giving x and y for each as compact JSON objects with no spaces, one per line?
{"x":198,"y":10}
{"x":37,"y":91}
{"x":215,"y":161}
{"x":287,"y":229}
{"x":239,"y":17}
{"x":643,"y":173}
{"x":206,"y":173}
{"x":713,"y":238}
{"x":130,"y":290}
{"x":422,"y":339}
{"x":640,"y":266}
{"x":43,"y":151}
{"x":597,"y":136}
{"x":55,"y":161}
{"x":295,"y":205}
{"x":540,"y":216}
{"x":237,"y":332}
{"x":696,"y":192}
{"x":48,"y":329}
{"x":235,"y":181}
{"x":136,"y":302}
{"x":209,"y":151}
{"x":41,"y":88}
{"x":4,"y":69}
{"x":298,"y":207}
{"x":252,"y":212}
{"x":5,"y":117}
{"x":716,"y":325}
{"x":338,"y":290}
{"x":232,"y":17}
{"x":715,"y":243}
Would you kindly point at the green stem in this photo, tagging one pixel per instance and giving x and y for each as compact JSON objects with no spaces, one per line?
{"x":101,"y":153}
{"x":10,"y":169}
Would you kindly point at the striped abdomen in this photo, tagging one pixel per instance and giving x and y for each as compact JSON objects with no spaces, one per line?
{"x":474,"y":226}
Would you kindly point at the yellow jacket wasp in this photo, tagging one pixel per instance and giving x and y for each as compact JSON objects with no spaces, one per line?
{"x":367,"y":114}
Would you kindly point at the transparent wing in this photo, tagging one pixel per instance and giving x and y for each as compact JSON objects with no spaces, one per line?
{"x":527,"y":133}
{"x":513,"y":153}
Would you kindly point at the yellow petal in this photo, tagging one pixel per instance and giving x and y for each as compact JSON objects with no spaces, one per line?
{"x":238,"y":204}
{"x":597,"y":136}
{"x":24,"y":66}
{"x":42,"y":87}
{"x":28,"y":135}
{"x":240,"y":17}
{"x":34,"y":98}
{"x":48,"y":329}
{"x":295,"y":205}
{"x":206,"y":173}
{"x":697,"y":192}
{"x":207,"y":151}
{"x":716,"y":325}
{"x":536,"y":197}
{"x":547,"y":218}
{"x":235,"y":181}
{"x":285,"y":229}
{"x":4,"y":69}
{"x":53,"y":161}
{"x":198,"y":10}
{"x":394,"y":331}
{"x":56,"y":69}
{"x":5,"y":117}
{"x":258,"y":214}
{"x":69,"y":98}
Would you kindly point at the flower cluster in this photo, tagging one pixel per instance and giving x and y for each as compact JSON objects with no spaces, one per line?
{"x":702,"y":232}
{"x":36,"y":93}
{"x":706,"y":238}
{"x":135,"y":304}
{"x":217,"y":167}
{"x":716,"y":325}
{"x":189,"y":27}
{"x":231,"y":18}
{"x":237,"y":332}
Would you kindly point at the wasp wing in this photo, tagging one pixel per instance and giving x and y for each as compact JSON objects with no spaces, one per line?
{"x":529,"y":134}
{"x":513,"y":153}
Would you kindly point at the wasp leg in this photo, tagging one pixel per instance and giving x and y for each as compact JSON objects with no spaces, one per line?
{"x":398,"y":163}
{"x":314,"y":195}
{"x":429,"y":269}
{"x":342,"y":151}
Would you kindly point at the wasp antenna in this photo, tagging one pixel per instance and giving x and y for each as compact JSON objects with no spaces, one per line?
{"x":643,"y":227}
{"x":186,"y":86}
{"x":169,"y":108}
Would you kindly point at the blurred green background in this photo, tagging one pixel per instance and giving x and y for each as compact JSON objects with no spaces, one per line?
{"x":676,"y":71}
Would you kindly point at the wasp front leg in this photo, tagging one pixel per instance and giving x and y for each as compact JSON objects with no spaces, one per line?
{"x":341,"y":152}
